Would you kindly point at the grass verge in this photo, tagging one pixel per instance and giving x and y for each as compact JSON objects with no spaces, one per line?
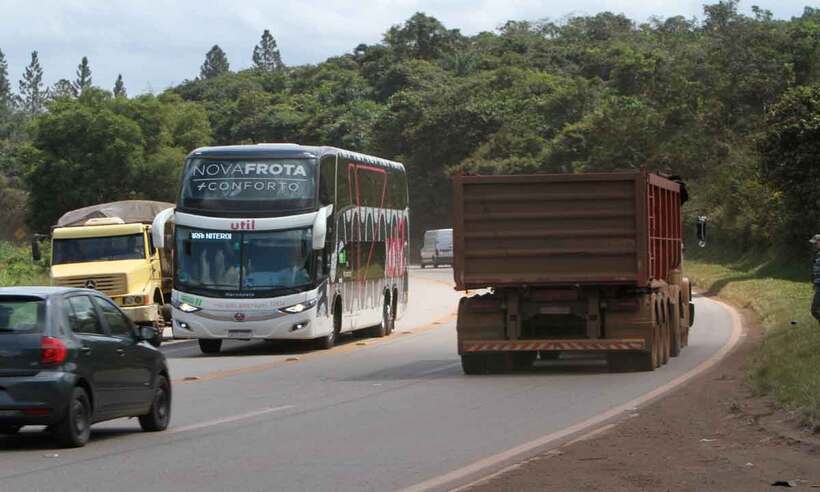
{"x":787,"y":365}
{"x":16,"y":267}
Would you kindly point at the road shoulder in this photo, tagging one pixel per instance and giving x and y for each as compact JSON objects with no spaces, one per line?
{"x":710,"y":434}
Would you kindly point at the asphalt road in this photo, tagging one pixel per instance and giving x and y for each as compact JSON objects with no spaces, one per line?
{"x":368,"y":415}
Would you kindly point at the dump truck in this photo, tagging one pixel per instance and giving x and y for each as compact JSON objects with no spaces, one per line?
{"x":564,"y":263}
{"x":109,"y":248}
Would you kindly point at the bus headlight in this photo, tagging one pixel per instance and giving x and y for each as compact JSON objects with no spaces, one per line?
{"x":187,"y":308}
{"x":298,"y":308}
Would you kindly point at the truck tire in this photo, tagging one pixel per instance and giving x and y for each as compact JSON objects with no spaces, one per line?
{"x":666,"y":344}
{"x":675,"y":329}
{"x":210,"y":345}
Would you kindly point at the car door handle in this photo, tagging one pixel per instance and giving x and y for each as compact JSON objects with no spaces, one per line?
{"x":121,"y":352}
{"x":85,"y":350}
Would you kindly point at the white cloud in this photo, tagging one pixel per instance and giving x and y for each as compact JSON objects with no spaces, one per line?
{"x":158,"y":43}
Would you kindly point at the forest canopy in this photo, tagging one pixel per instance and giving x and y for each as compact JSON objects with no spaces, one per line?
{"x":731,"y":102}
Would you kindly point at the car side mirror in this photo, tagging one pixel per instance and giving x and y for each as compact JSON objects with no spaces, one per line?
{"x":701,"y":231}
{"x":145,"y":333}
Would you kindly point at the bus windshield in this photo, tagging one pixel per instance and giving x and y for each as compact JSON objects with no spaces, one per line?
{"x":260,"y":185}
{"x":244,"y":263}
{"x":109,"y":248}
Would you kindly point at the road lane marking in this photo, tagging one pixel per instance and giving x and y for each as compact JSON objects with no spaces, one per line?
{"x":510,"y":454}
{"x":440,"y":369}
{"x":227,"y":420}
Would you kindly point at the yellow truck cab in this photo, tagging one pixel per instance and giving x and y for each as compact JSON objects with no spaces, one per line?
{"x":116,"y":256}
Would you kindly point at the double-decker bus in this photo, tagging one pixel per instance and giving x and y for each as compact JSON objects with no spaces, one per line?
{"x":284,"y":241}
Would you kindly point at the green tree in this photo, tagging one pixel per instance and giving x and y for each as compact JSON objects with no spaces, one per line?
{"x":119,"y":87}
{"x":216,"y":63}
{"x":5,"y":85}
{"x":423,"y":37}
{"x":83,"y":80}
{"x":790,"y":151}
{"x":33,"y":93}
{"x":63,"y":88}
{"x":266,"y":55}
{"x":97,"y":148}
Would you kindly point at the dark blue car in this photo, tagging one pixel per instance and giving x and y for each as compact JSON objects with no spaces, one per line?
{"x":70,"y":358}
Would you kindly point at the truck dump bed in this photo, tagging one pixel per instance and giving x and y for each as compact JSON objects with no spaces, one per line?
{"x":565,"y":229}
{"x":130,"y":211}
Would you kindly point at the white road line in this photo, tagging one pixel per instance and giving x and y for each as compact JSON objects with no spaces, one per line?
{"x":505,"y":456}
{"x":440,"y":369}
{"x":226,"y":420}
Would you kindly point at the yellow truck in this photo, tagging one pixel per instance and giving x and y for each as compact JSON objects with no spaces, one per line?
{"x":109,"y":248}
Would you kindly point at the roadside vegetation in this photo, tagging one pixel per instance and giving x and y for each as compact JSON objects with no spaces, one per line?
{"x":779,"y":292}
{"x":16,"y":267}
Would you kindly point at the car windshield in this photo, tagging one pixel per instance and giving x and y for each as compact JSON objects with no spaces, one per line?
{"x":271,"y":185}
{"x":21,"y":315}
{"x":110,"y":248}
{"x":244,"y":261}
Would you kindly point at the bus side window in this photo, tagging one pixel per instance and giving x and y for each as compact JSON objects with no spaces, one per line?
{"x":327,"y":180}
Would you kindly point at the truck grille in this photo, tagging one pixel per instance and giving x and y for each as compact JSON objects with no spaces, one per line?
{"x":111,"y":285}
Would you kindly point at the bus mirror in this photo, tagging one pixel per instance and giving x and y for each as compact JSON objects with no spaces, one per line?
{"x":320,"y":227}
{"x":158,"y":227}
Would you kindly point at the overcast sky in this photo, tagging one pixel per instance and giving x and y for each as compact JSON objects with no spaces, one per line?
{"x":156,"y":44}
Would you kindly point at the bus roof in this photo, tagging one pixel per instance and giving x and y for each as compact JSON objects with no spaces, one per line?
{"x":286,"y":151}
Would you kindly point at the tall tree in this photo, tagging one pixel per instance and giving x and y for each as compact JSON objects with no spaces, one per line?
{"x":266,"y":54}
{"x":63,"y":88}
{"x":33,"y":94}
{"x":5,"y":86}
{"x":83,"y":81}
{"x":119,"y":87}
{"x":216,"y":63}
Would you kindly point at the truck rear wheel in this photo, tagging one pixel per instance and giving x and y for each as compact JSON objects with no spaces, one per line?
{"x":675,"y":328}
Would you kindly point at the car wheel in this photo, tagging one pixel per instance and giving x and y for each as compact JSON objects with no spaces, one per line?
{"x":159,"y":415}
{"x":9,"y":429}
{"x":210,"y":345}
{"x":74,"y":430}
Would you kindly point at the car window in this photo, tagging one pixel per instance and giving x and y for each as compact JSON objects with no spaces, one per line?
{"x":118,"y":324}
{"x":82,"y":317}
{"x":22,"y":314}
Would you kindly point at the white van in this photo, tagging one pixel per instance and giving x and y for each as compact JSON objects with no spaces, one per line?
{"x":438,"y":248}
